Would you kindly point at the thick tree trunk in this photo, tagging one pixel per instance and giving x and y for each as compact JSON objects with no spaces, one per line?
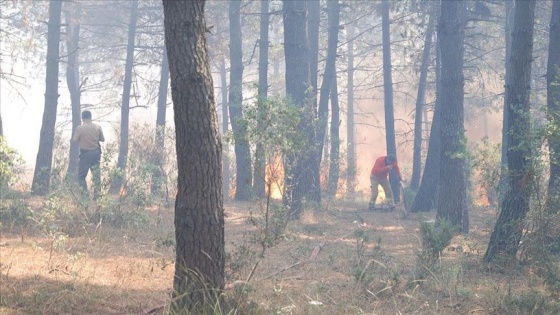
{"x":508,"y":230}
{"x":73,"y":82}
{"x":259,"y":173}
{"x":119,"y":178}
{"x":43,"y":163}
{"x":420,"y":103}
{"x":350,"y":137}
{"x":243,"y":178}
{"x":158,"y":174}
{"x":199,"y":212}
{"x":298,"y":169}
{"x":553,"y":105}
{"x":452,"y":203}
{"x":388,"y":95}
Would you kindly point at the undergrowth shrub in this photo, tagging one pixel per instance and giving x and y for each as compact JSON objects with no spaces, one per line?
{"x":372,"y":268}
{"x":434,"y":239}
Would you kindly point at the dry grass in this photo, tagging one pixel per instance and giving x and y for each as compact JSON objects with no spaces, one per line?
{"x":335,"y":260}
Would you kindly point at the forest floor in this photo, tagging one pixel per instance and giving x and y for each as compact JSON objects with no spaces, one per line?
{"x":340,"y":259}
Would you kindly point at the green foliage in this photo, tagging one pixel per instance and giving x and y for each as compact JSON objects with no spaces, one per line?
{"x":273,"y":123}
{"x":14,"y":212}
{"x":486,"y":161}
{"x":434,"y":238}
{"x":11,"y":166}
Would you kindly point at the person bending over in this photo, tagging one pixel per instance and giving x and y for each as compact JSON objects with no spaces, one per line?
{"x":379,"y":176}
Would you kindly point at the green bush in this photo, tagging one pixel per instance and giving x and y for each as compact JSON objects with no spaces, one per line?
{"x":435,"y":238}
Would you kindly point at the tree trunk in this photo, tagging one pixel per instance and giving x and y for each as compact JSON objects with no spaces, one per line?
{"x":314,"y":23}
{"x":507,"y":78}
{"x":259,"y":173}
{"x":553,"y":105}
{"x":199,"y":212}
{"x":298,"y":166}
{"x":225,"y":128}
{"x":119,"y":178}
{"x":329,"y":76}
{"x":426,"y":197}
{"x":451,"y":205}
{"x":420,"y":103}
{"x":43,"y":164}
{"x":158,"y":174}
{"x":243,"y":176}
{"x":334,"y":165}
{"x":73,"y":82}
{"x":388,"y":95}
{"x":508,"y":229}
{"x":350,"y":137}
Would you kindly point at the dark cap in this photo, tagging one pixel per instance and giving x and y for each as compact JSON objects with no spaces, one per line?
{"x":390,"y":159}
{"x":86,"y":114}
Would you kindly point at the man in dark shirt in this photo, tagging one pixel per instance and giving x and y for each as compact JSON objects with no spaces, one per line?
{"x":88,"y":135}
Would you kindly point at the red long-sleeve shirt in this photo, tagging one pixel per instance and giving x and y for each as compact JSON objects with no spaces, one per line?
{"x":380,"y":170}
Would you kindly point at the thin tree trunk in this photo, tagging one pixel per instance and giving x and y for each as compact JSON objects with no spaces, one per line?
{"x":388,"y":95}
{"x":350,"y":141}
{"x":259,"y":173}
{"x":553,"y":105}
{"x":199,"y":212}
{"x":119,"y":178}
{"x":329,"y":75}
{"x":426,"y":197}
{"x":420,"y":103}
{"x":158,"y":174}
{"x":225,"y":128}
{"x":73,"y":82}
{"x":243,"y":178}
{"x":514,"y":207}
{"x":43,"y":163}
{"x":334,"y":163}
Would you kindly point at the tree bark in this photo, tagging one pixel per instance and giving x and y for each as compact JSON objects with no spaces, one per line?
{"x":158,"y":174}
{"x":350,"y":135}
{"x":451,"y":203}
{"x":426,"y":197}
{"x":508,"y":229}
{"x":388,"y":95}
{"x":334,"y":162}
{"x":225,"y":127}
{"x":553,"y":106}
{"x":298,"y":166}
{"x":199,"y":216}
{"x":507,"y":78}
{"x":259,"y":173}
{"x":329,"y":77}
{"x":420,"y":103}
{"x":243,"y":178}
{"x":43,"y":163}
{"x":73,"y":82}
{"x":119,"y":178}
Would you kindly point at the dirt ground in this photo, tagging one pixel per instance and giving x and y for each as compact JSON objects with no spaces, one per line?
{"x":340,"y":259}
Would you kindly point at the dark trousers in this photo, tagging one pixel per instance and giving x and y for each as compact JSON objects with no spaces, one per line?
{"x":89,"y":159}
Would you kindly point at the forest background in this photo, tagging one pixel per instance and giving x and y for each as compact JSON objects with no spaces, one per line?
{"x":376,"y":71}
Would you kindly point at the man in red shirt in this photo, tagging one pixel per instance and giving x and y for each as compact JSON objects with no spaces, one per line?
{"x":379,"y":174}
